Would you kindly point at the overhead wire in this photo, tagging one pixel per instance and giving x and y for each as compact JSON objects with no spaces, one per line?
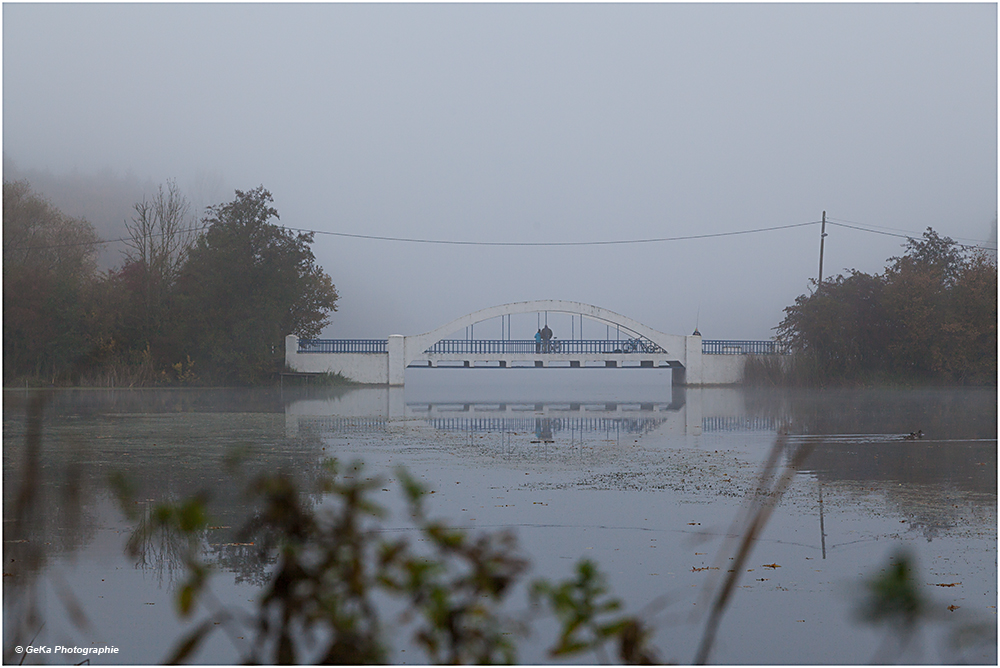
{"x":907,"y":236}
{"x":862,"y":227}
{"x":101,"y":242}
{"x":555,"y":243}
{"x":909,"y":233}
{"x":466,"y":243}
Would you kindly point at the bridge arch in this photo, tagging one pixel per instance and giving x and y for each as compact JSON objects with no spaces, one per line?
{"x":414,"y":346}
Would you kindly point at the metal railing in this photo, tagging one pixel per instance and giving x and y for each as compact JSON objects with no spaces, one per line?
{"x":742,"y":348}
{"x":530,"y":346}
{"x":343,"y":345}
{"x":554,"y":346}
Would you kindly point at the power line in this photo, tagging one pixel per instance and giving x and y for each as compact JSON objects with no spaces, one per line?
{"x":466,"y":243}
{"x":873,"y":229}
{"x":903,"y":236}
{"x":101,"y":242}
{"x":909,"y":234}
{"x":554,"y":243}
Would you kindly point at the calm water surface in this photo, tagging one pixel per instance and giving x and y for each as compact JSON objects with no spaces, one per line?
{"x":610,"y":465}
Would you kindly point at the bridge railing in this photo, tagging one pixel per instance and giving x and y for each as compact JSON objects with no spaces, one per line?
{"x":530,"y":346}
{"x":343,"y":345}
{"x":742,"y":348}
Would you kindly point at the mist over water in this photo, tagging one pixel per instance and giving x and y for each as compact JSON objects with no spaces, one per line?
{"x":613,"y":465}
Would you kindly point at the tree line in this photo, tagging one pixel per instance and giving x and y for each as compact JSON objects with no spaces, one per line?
{"x":930,"y":317}
{"x":210,"y":302}
{"x":205,"y":303}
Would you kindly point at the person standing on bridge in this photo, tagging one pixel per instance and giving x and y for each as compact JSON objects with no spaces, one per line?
{"x":538,"y":341}
{"x":547,"y":338}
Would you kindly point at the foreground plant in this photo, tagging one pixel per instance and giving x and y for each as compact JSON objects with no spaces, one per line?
{"x":334,"y":566}
{"x":578,"y":603}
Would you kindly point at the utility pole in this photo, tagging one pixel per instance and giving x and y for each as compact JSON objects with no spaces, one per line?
{"x":822,"y":238}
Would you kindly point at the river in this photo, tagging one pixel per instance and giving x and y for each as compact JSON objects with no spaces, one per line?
{"x":614,"y":466}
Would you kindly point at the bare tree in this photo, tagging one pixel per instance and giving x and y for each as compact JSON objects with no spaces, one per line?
{"x":160,"y":235}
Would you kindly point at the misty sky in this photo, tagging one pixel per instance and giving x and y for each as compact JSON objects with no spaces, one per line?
{"x":535,"y":123}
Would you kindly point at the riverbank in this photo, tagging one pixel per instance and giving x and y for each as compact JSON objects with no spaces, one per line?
{"x":797,"y":371}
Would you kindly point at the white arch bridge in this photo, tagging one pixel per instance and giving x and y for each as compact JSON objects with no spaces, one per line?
{"x":693,"y":361}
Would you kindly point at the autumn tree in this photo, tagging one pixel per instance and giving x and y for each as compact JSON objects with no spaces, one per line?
{"x":974,"y":322}
{"x":930,"y":317}
{"x":246,"y":284}
{"x":49,"y":265}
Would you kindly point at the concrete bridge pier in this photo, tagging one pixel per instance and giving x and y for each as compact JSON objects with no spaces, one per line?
{"x":397,"y":359}
{"x":691,"y":372}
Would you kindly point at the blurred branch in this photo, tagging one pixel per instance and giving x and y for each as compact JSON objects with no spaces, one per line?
{"x":771,"y":486}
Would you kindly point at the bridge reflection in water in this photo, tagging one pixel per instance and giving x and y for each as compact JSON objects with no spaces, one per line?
{"x":375,"y":409}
